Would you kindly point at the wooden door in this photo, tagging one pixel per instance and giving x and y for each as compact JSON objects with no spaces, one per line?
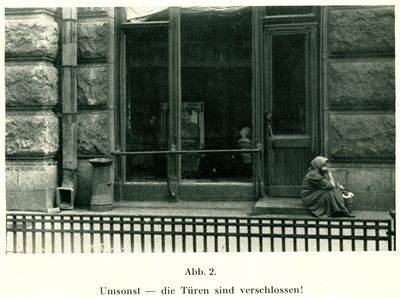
{"x":149,"y":82}
{"x":290,"y":106}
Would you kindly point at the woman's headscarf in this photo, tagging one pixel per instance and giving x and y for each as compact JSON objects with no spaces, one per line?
{"x":318,"y":162}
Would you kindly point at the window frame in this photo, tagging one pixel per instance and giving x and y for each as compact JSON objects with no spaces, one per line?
{"x":176,"y":188}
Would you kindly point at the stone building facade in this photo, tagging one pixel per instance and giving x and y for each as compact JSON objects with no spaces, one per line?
{"x":357,"y":101}
{"x":33,"y":102}
{"x":360,"y":118}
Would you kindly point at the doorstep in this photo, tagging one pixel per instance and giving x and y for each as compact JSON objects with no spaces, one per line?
{"x":293,"y":207}
{"x":275,"y":205}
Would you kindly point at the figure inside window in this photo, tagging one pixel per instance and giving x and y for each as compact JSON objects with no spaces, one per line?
{"x":245,"y":143}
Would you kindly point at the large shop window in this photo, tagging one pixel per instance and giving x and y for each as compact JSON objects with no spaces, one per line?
{"x":216,"y":95}
{"x":209,"y":64}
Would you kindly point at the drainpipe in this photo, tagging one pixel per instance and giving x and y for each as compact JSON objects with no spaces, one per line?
{"x":67,"y":192}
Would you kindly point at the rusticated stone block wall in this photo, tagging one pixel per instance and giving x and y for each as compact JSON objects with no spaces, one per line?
{"x":92,"y":83}
{"x":93,"y":134}
{"x":32,"y":134}
{"x":31,"y":35}
{"x":31,"y":84}
{"x":360,"y":101}
{"x":368,"y":137}
{"x":92,"y":38}
{"x":361,"y":29}
{"x":32,"y":98}
{"x":32,"y":81}
{"x":361,"y":84}
{"x":95,"y":90}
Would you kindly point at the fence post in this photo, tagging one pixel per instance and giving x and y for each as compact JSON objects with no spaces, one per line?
{"x":393,"y":228}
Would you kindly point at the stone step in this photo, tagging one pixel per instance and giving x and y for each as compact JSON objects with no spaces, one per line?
{"x":293,"y":207}
{"x":274,"y":205}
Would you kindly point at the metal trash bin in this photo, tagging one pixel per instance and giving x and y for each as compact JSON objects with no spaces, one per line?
{"x":102,"y":184}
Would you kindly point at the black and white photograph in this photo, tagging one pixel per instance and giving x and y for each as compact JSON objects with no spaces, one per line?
{"x":198,"y":128}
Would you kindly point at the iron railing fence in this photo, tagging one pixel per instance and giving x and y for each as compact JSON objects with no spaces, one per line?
{"x":58,"y":233}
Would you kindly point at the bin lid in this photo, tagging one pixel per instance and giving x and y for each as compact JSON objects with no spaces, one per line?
{"x":101,"y":161}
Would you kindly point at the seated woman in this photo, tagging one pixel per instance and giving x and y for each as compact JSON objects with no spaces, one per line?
{"x":320,"y":194}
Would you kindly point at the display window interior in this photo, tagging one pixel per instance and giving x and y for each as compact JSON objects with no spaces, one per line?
{"x":216,"y":109}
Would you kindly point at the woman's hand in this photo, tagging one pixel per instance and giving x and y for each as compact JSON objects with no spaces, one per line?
{"x":325,"y":169}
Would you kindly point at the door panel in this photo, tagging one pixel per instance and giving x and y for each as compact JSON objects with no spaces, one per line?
{"x":145,"y":84}
{"x":290,"y":106}
{"x":288,"y":166}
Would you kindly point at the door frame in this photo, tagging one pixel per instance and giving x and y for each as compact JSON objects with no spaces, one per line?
{"x":310,"y":29}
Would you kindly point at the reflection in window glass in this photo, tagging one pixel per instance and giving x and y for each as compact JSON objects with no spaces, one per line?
{"x":288,"y":84}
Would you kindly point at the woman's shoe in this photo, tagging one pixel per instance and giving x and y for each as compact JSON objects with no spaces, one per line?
{"x":347,"y":214}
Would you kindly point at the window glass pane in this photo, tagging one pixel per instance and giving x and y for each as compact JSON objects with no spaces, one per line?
{"x":147,"y":96}
{"x":288,"y":84}
{"x":216,"y":91}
